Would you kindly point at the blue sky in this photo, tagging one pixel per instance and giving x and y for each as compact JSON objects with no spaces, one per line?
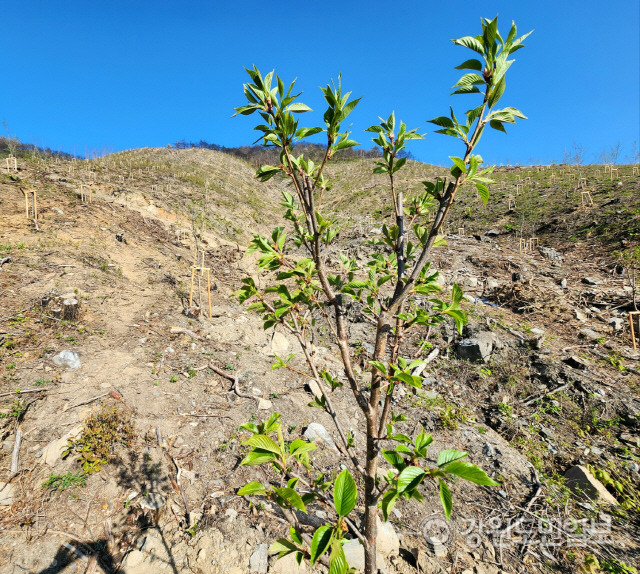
{"x":91,"y":77}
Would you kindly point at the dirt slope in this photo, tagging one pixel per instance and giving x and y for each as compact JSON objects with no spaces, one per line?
{"x":166,"y":499}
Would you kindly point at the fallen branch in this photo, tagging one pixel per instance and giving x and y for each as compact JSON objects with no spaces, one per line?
{"x":66,"y":408}
{"x":15,"y":466}
{"x":546,"y":394}
{"x":181,"y":331}
{"x":23,"y":392}
{"x":177,"y":486}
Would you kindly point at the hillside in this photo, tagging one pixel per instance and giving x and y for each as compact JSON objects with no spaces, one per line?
{"x":559,"y":384}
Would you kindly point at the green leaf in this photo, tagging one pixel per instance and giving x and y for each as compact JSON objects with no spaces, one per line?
{"x":258,"y":457}
{"x":292,"y":497}
{"x":263,"y":442}
{"x":445,"y":498}
{"x":451,"y":455}
{"x":469,"y":80}
{"x":459,"y":162}
{"x":380,"y":366}
{"x":320,"y":542}
{"x":410,"y":478}
{"x":283,"y":546}
{"x":294,"y":535}
{"x":483,"y":192}
{"x":470,"y":65}
{"x":443,"y":121}
{"x":470,"y":472}
{"x":299,"y":108}
{"x":394,"y":459}
{"x":254,"y":487}
{"x":338,"y":561}
{"x":345,"y":493}
{"x":470,"y":42}
{"x":456,"y":294}
{"x":388,"y":502}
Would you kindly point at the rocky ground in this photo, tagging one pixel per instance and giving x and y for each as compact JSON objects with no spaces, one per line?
{"x":543,"y":380}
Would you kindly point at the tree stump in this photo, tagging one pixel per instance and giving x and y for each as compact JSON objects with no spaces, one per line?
{"x":70,"y":309}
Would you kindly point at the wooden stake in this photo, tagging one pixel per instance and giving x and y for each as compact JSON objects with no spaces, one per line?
{"x":586,"y":198}
{"x":635,"y":170}
{"x":633,"y":334}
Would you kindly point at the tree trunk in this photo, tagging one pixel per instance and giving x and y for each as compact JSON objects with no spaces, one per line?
{"x":70,"y":309}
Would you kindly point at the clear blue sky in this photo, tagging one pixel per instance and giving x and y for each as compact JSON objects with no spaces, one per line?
{"x":107,"y":76}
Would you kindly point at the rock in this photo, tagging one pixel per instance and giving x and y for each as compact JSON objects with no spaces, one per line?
{"x":354,"y":553}
{"x":279,"y":344}
{"x":492,"y":233}
{"x":51,"y":453}
{"x":488,"y":450}
{"x":67,"y":360}
{"x":7,"y":493}
{"x":427,"y":564}
{"x":579,"y":315}
{"x":436,"y":547}
{"x":492,"y":283}
{"x":258,"y":561}
{"x":563,"y":283}
{"x":575,"y":362}
{"x":470,"y":282}
{"x":478,"y":347}
{"x":387,"y":542}
{"x":231,"y":514}
{"x":315,"y":389}
{"x":582,"y":482}
{"x":630,"y":439}
{"x":288,"y":565}
{"x":315,"y":431}
{"x":590,"y":334}
{"x":550,"y":253}
{"x":591,"y":281}
{"x":264,"y":405}
{"x":616,"y":323}
{"x":152,"y":501}
{"x":516,"y":277}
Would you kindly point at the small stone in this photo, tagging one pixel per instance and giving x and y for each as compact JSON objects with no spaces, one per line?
{"x":488,"y":450}
{"x":591,"y":281}
{"x":563,"y":283}
{"x":152,"y":501}
{"x":550,"y":253}
{"x":258,"y":562}
{"x":231,"y":514}
{"x":264,"y":405}
{"x":590,"y":334}
{"x":7,"y":493}
{"x":67,"y":360}
{"x":616,"y":323}
{"x":288,"y":565}
{"x":579,"y":315}
{"x":315,"y":389}
{"x":387,"y":542}
{"x":354,"y":553}
{"x":279,"y":344}
{"x":581,"y":481}
{"x":436,"y":546}
{"x":492,"y":233}
{"x":316,"y":431}
{"x":630,"y":439}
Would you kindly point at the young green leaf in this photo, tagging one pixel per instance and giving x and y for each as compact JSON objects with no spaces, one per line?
{"x":445,"y":498}
{"x":254,"y":487}
{"x":470,"y":472}
{"x":320,"y":542}
{"x":345,"y":493}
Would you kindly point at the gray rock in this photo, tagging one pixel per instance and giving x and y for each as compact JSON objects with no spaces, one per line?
{"x":264,"y":405}
{"x":259,"y":560}
{"x":315,"y":389}
{"x":630,"y":439}
{"x":591,"y":281}
{"x":288,"y":565}
{"x":579,"y":315}
{"x":434,"y":544}
{"x":67,"y":360}
{"x":478,"y":347}
{"x":387,"y":542}
{"x":469,"y":282}
{"x":492,"y":283}
{"x":7,"y":493}
{"x":550,"y":253}
{"x":563,"y":283}
{"x":589,"y":334}
{"x":354,"y":553}
{"x":492,"y":233}
{"x":315,"y":431}
{"x":488,"y":450}
{"x":582,"y":482}
{"x":617,"y":323}
{"x":279,"y":344}
{"x":153,"y":501}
